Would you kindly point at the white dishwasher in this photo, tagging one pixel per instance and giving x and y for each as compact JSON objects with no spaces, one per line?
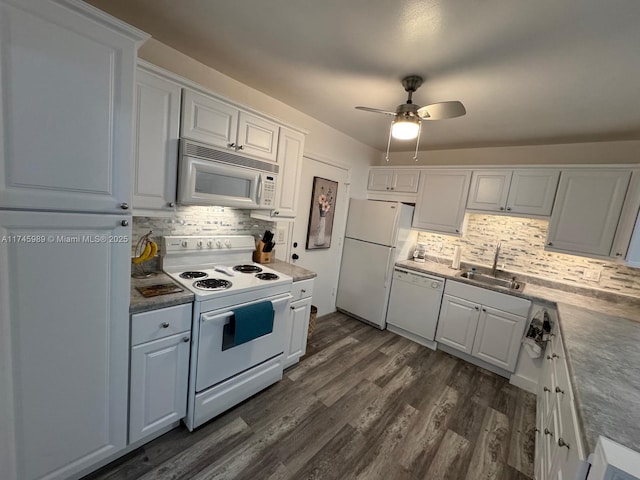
{"x":414,"y":305}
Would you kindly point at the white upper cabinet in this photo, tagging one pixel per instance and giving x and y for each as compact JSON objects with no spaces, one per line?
{"x":394,"y":180}
{"x":587,"y":209}
{"x":523,"y":191}
{"x":290,"y":151}
{"x":441,"y":200}
{"x":157,"y":125}
{"x":209,"y":120}
{"x":68,"y":85}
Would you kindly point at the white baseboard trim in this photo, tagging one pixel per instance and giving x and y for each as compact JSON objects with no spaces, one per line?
{"x":524,"y":383}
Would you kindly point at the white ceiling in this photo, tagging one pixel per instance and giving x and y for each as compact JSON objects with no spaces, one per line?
{"x":528,"y":72}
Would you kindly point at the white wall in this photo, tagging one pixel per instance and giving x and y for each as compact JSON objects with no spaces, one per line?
{"x":569,"y":153}
{"x":322,"y":140}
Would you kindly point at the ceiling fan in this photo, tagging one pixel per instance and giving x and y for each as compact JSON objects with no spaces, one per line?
{"x":408,"y":117}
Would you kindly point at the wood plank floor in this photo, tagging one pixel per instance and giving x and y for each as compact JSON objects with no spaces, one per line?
{"x":362,"y":404}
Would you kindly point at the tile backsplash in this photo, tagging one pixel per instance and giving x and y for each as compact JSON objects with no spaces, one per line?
{"x":523,"y":252}
{"x":195,"y":220}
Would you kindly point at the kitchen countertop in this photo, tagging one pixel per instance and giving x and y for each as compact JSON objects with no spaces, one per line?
{"x":297,"y":273}
{"x":139,"y":304}
{"x":601,"y":336}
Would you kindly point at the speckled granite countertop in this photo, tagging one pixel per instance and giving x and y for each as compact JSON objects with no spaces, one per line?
{"x":139,"y":304}
{"x":601,"y":334}
{"x":297,"y":273}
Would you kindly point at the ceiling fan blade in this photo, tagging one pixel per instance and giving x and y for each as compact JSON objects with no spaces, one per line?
{"x":375,"y":110}
{"x":442,"y":110}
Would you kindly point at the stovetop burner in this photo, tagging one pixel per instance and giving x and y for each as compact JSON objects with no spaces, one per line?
{"x":247,"y":268}
{"x":267,"y":276}
{"x":212,"y":284}
{"x":191,"y":275}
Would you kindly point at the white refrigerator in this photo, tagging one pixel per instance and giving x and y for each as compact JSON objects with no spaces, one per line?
{"x":378,"y":234}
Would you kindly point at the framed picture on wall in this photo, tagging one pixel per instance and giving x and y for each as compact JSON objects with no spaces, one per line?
{"x":321,"y":213}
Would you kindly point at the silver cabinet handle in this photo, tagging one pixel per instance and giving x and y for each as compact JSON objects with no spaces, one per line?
{"x":546,"y":389}
{"x":562,"y":443}
{"x":292,"y":308}
{"x":185,"y":339}
{"x":484,"y":309}
{"x":550,"y":244}
{"x":552,"y":356}
{"x":548,"y":432}
{"x":277,"y":212}
{"x":172,"y":204}
{"x":477,"y":308}
{"x":240,"y":147}
{"x":124,"y":206}
{"x":559,"y":390}
{"x":231,"y":145}
{"x":618,"y":254}
{"x":124,"y":223}
{"x":508,"y":209}
{"x":501,"y":208}
{"x":165,"y":325}
{"x":303,"y":291}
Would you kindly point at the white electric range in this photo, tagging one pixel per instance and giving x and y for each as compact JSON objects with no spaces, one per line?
{"x":219,"y":271}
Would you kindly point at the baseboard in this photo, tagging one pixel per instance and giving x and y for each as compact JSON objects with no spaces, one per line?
{"x":412,"y":336}
{"x":524,"y":383}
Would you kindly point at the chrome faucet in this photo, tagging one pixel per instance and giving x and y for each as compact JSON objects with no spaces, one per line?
{"x":494,"y":269}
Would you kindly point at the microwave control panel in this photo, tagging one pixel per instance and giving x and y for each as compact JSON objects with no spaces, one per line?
{"x":268,"y":190}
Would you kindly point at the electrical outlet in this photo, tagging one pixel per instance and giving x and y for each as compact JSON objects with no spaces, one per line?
{"x":591,"y":275}
{"x":281,"y":235}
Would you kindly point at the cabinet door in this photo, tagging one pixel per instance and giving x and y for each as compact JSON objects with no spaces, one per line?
{"x":208,"y":120}
{"x":489,"y":190}
{"x":290,"y":150}
{"x":380,"y":179}
{"x":587,"y":210}
{"x":297,"y":331}
{"x":64,"y":339}
{"x":405,"y":181}
{"x":257,"y":136}
{"x":159,"y":375}
{"x":498,"y":338}
{"x":441,"y":200}
{"x":67,"y":83}
{"x":533,"y":191}
{"x":157,"y":124}
{"x":457,"y":323}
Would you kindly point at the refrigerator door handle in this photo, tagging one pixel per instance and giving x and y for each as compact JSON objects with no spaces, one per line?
{"x":388,"y":274}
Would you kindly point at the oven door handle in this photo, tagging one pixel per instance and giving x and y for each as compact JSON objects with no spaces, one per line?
{"x":220,"y":318}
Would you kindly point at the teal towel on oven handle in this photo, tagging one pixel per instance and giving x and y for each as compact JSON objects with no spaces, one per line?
{"x":253,"y":321}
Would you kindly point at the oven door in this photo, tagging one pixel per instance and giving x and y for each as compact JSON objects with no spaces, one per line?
{"x":206,"y":182}
{"x":216,"y":365}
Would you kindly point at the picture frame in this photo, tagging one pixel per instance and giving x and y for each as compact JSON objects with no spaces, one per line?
{"x":321,"y":213}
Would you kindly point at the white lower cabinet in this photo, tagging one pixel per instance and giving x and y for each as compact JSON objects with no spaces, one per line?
{"x":298,"y":326}
{"x":560,"y":454}
{"x":159,"y":369}
{"x":482,"y":323}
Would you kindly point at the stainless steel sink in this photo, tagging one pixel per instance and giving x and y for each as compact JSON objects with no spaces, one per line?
{"x":511,"y":284}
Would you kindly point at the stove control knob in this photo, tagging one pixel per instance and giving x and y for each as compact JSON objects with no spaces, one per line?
{"x":227,"y":243}
{"x":184,"y":244}
{"x":199,"y":243}
{"x":218,"y":244}
{"x":210,"y":244}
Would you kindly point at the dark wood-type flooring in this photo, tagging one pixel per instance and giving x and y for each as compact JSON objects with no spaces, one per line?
{"x":362,"y":404}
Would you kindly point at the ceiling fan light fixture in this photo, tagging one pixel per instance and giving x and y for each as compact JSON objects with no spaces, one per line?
{"x":405,"y":128}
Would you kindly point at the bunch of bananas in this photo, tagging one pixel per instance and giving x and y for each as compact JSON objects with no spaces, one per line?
{"x":148,"y":252}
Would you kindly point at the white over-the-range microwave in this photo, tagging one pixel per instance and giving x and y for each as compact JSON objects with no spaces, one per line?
{"x":209,"y":176}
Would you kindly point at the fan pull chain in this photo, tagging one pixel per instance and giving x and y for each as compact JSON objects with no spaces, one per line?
{"x":415,"y":157}
{"x":389,"y":142}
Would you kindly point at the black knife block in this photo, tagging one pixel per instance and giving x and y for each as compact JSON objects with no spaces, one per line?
{"x":261,"y":257}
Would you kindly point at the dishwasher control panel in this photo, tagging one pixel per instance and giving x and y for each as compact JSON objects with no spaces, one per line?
{"x":418,"y":279}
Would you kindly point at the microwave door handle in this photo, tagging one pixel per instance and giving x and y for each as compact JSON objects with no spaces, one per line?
{"x":259,"y":189}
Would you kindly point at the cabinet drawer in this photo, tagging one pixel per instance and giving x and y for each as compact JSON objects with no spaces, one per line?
{"x":302,"y":289}
{"x":160,"y":323}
